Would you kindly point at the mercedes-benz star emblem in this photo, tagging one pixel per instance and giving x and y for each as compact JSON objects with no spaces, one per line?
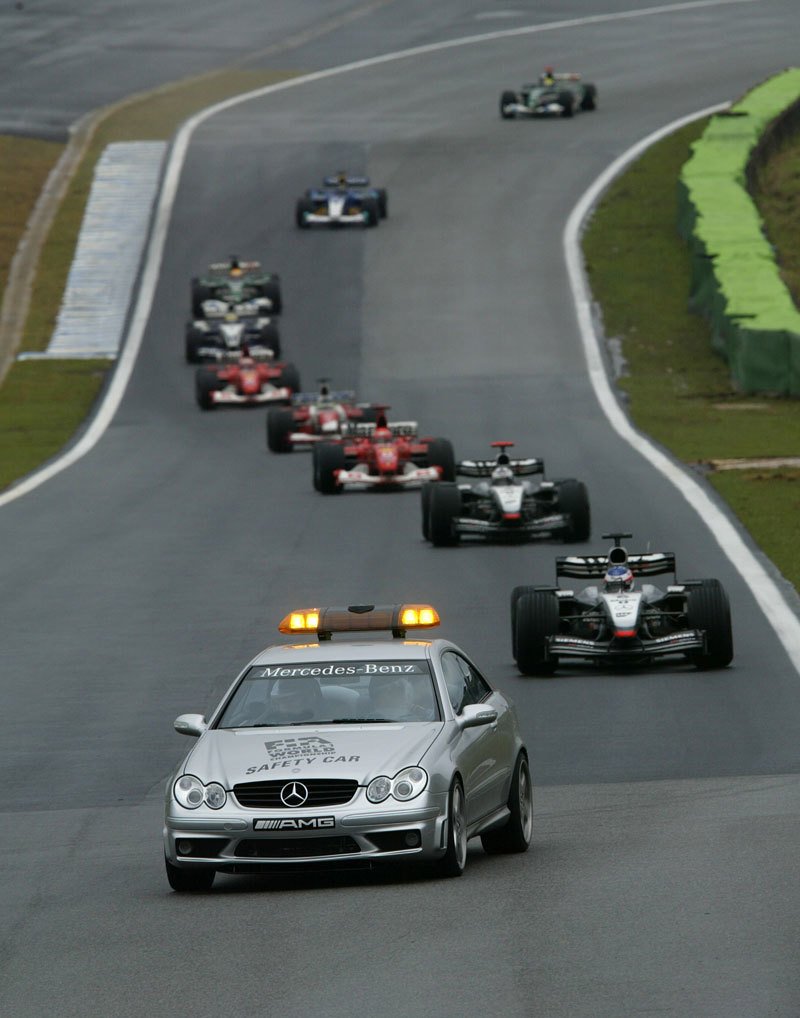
{"x":294,"y":794}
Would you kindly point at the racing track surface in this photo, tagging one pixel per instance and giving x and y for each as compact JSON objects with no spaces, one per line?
{"x":663,"y":876}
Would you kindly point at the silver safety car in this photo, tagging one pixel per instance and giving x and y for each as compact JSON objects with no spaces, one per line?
{"x":326,"y":751}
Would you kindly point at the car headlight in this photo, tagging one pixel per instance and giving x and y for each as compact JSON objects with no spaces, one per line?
{"x":191,"y":793}
{"x":405,"y":785}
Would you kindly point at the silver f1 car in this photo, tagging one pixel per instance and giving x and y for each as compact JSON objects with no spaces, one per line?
{"x":503,"y":506}
{"x":613,"y":622}
{"x":355,"y":751}
{"x":553,"y":95}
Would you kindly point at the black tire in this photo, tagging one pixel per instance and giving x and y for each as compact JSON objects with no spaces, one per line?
{"x":289,"y":377}
{"x":194,"y":340}
{"x":280,"y":424}
{"x":445,"y":506}
{"x":440,"y":454}
{"x":567,"y":100}
{"x":199,"y":294}
{"x":270,"y":337}
{"x":370,"y":207}
{"x":454,"y":860}
{"x":303,"y":205}
{"x":573,"y":498}
{"x":327,"y":459}
{"x":206,"y":382}
{"x":191,"y":880}
{"x":708,"y":609}
{"x":516,"y":835}
{"x":516,"y":594}
{"x":589,"y":101}
{"x":537,"y":619}
{"x":425,"y":496}
{"x":505,"y":99}
{"x":383,"y":202}
{"x":272,"y":290}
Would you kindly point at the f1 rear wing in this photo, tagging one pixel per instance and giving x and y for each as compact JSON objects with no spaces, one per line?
{"x":595,"y":566}
{"x":399,"y":429}
{"x":226,"y":266}
{"x":484,"y":468}
{"x":350,"y":181}
{"x":340,"y":396}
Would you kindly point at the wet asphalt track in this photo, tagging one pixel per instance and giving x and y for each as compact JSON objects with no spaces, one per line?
{"x":662,"y":876}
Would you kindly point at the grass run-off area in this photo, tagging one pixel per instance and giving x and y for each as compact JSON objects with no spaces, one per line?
{"x":43,"y":402}
{"x":677,"y":390}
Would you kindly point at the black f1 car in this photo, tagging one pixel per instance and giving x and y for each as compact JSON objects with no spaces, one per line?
{"x":553,"y":95}
{"x":615,"y":623}
{"x":342,"y":200}
{"x":235,"y":282}
{"x":503,"y":506}
{"x":226,"y":328}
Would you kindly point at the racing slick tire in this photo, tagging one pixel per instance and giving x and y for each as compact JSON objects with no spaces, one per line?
{"x":270,"y":337}
{"x":289,"y":378}
{"x":567,"y":100}
{"x":589,"y":101}
{"x":383,"y":202}
{"x":198,"y":878}
{"x":372,"y":210}
{"x":303,"y":205}
{"x":506,"y":98}
{"x":708,"y":609}
{"x":516,"y":594}
{"x":199,"y":294}
{"x":327,"y":459}
{"x":425,"y":495}
{"x":454,"y":860}
{"x":280,"y":424}
{"x":573,"y":498}
{"x":537,"y":619}
{"x":194,"y":340}
{"x":516,"y":834}
{"x":206,"y":382}
{"x":445,"y":506}
{"x":440,"y":454}
{"x":272,"y":291}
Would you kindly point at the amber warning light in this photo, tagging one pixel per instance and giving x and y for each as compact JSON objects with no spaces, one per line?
{"x":360,"y":618}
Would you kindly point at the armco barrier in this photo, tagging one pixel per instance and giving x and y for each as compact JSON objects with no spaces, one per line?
{"x":735,"y":280}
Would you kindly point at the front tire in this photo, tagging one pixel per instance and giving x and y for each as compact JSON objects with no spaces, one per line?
{"x":516,"y":835}
{"x":537,"y":620}
{"x":194,"y":880}
{"x":454,"y":861}
{"x":708,"y":609}
{"x":205,"y":383}
{"x":280,"y":424}
{"x":372,"y":211}
{"x":506,"y":99}
{"x":383,"y":202}
{"x":303,"y":206}
{"x":327,"y":459}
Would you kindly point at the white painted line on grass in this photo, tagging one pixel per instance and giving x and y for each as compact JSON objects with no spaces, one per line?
{"x":766,"y":591}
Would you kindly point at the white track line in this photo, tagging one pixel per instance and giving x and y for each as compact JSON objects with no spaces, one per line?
{"x":766,"y":591}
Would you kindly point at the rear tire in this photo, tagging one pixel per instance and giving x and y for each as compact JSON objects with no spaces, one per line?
{"x":289,"y":378}
{"x":270,"y":337}
{"x":280,"y":424}
{"x":537,"y":619}
{"x":199,"y":294}
{"x":444,"y":507}
{"x":573,"y":498}
{"x":454,"y":861}
{"x":425,"y":495}
{"x":516,"y":594}
{"x":272,"y":290}
{"x":328,"y":458}
{"x":440,"y":454}
{"x":194,"y":340}
{"x":516,"y":835}
{"x":194,"y":880}
{"x":708,"y":609}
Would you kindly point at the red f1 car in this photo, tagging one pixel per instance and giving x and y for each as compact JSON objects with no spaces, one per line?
{"x":316,"y":417}
{"x":381,"y":455}
{"x":245,"y":382}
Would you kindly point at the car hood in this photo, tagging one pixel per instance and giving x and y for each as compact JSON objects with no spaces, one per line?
{"x":330,"y":751}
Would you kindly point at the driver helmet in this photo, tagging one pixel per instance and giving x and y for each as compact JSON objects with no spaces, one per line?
{"x":389,"y":696}
{"x":235,"y":268}
{"x":548,"y":77}
{"x":382,"y":432}
{"x":502,"y":475}
{"x":618,"y":578}
{"x":295,"y":699}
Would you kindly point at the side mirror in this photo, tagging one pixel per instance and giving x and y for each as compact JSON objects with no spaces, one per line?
{"x":190,"y":724}
{"x":475,"y":715}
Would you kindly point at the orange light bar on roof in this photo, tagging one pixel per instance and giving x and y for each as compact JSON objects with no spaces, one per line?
{"x":304,"y":621}
{"x":417,"y":616}
{"x":360,"y":618}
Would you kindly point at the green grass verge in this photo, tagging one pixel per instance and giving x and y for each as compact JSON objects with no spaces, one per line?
{"x":677,"y":389}
{"x":42,"y":403}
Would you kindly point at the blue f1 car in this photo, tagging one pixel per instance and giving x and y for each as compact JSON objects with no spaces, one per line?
{"x":342,"y":200}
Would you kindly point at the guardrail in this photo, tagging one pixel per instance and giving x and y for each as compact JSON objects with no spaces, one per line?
{"x":735,"y":280}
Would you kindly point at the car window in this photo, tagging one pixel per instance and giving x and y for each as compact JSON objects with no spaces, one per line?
{"x":478,"y":686}
{"x":327,"y":692}
{"x":464,"y":682}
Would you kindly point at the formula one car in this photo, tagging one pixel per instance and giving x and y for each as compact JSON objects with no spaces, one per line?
{"x":246,"y":382}
{"x":316,"y":417}
{"x":554,"y":95}
{"x":503,"y":506}
{"x":612,"y":622}
{"x":331,"y":750}
{"x":343,"y":200}
{"x":381,"y":455}
{"x":226,"y":328}
{"x":236,"y":282}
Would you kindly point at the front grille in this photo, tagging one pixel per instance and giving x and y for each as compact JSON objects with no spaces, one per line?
{"x":296,"y":848}
{"x":321,"y":792}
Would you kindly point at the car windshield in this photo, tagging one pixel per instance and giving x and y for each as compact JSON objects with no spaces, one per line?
{"x":332,"y":692}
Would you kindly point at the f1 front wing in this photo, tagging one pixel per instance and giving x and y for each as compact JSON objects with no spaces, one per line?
{"x":542,"y":526}
{"x":626,"y":647}
{"x":416,"y":476}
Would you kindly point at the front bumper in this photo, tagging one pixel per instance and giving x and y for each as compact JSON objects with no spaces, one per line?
{"x":241,"y":840}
